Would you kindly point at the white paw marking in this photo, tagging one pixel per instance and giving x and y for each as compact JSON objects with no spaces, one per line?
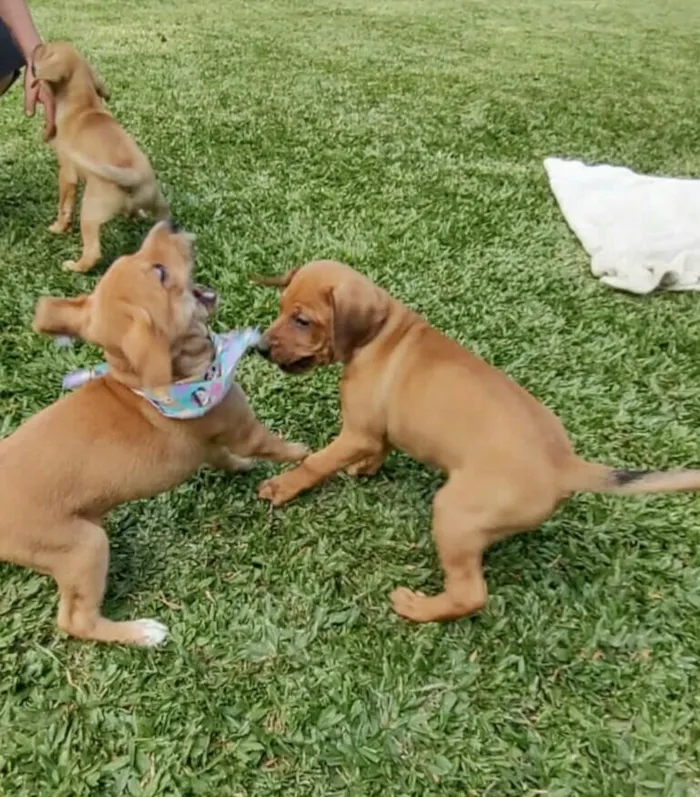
{"x":299,"y":451}
{"x":152,"y":632}
{"x":242,"y":463}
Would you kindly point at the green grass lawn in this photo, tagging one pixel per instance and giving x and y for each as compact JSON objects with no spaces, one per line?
{"x":405,"y":137}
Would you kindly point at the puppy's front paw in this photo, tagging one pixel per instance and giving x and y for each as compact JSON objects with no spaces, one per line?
{"x":70,"y":265}
{"x":58,"y":228}
{"x":278,"y":490}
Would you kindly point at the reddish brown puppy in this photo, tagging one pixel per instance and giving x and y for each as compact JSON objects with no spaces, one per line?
{"x":508,"y":460}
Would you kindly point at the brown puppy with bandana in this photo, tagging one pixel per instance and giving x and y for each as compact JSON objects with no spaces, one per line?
{"x":508,"y":461}
{"x":91,"y":146}
{"x":64,"y":469}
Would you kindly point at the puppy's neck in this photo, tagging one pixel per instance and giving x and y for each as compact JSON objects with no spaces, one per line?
{"x":400,"y":322}
{"x":77,"y":91}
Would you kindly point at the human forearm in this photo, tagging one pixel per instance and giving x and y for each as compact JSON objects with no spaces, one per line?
{"x":15,"y":14}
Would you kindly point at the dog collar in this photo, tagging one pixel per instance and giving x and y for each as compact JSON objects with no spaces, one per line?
{"x":189,"y":398}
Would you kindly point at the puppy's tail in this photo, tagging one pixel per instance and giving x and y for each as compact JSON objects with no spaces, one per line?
{"x":124,"y":177}
{"x":589,"y":477}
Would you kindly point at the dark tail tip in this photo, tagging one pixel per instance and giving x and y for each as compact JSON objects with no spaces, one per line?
{"x":172,"y":225}
{"x":623,"y":477}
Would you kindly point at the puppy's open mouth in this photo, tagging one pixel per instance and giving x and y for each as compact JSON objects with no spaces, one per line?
{"x":298,"y":366}
{"x":206,"y":296}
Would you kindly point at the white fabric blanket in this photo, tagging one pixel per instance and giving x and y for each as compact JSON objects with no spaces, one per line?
{"x":641,"y":232}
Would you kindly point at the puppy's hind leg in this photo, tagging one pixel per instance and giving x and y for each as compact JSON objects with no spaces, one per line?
{"x":153,"y":204}
{"x":67,"y":185}
{"x":460,"y":533}
{"x":101,"y":202}
{"x":160,"y":208}
{"x":464,"y":525}
{"x":80,"y":571}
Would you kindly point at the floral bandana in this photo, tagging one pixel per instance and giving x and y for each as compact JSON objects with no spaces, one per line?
{"x":190,"y":398}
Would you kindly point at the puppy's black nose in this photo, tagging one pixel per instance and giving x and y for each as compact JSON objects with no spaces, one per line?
{"x":263,"y":347}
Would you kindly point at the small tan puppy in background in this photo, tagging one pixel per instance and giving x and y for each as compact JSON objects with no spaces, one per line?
{"x":508,"y":460}
{"x":65,"y":468}
{"x":92,"y":147}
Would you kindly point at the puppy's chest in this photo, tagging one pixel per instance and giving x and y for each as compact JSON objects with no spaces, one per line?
{"x":68,"y":134}
{"x":364,"y":403}
{"x":62,"y":116}
{"x":61,"y":144}
{"x":67,"y":124}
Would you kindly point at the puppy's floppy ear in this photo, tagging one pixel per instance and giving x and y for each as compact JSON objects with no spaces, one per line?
{"x":359,"y":310}
{"x":275,"y":282}
{"x":147,"y":351}
{"x":98,"y":83}
{"x":100,"y":88}
{"x":62,"y":316}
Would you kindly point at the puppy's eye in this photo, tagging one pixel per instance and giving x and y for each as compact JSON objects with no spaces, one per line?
{"x":162,"y":273}
{"x":301,"y":322}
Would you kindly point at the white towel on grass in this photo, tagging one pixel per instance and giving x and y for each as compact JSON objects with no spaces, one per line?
{"x":641,"y":232}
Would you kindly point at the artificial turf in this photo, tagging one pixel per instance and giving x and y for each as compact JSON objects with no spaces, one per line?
{"x":405,"y":137}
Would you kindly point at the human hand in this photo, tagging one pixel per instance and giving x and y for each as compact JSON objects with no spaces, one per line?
{"x":35,"y":93}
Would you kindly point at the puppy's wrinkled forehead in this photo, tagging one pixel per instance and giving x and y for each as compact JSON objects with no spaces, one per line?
{"x":313,"y":283}
{"x":163,"y":262}
{"x":56,"y":55}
